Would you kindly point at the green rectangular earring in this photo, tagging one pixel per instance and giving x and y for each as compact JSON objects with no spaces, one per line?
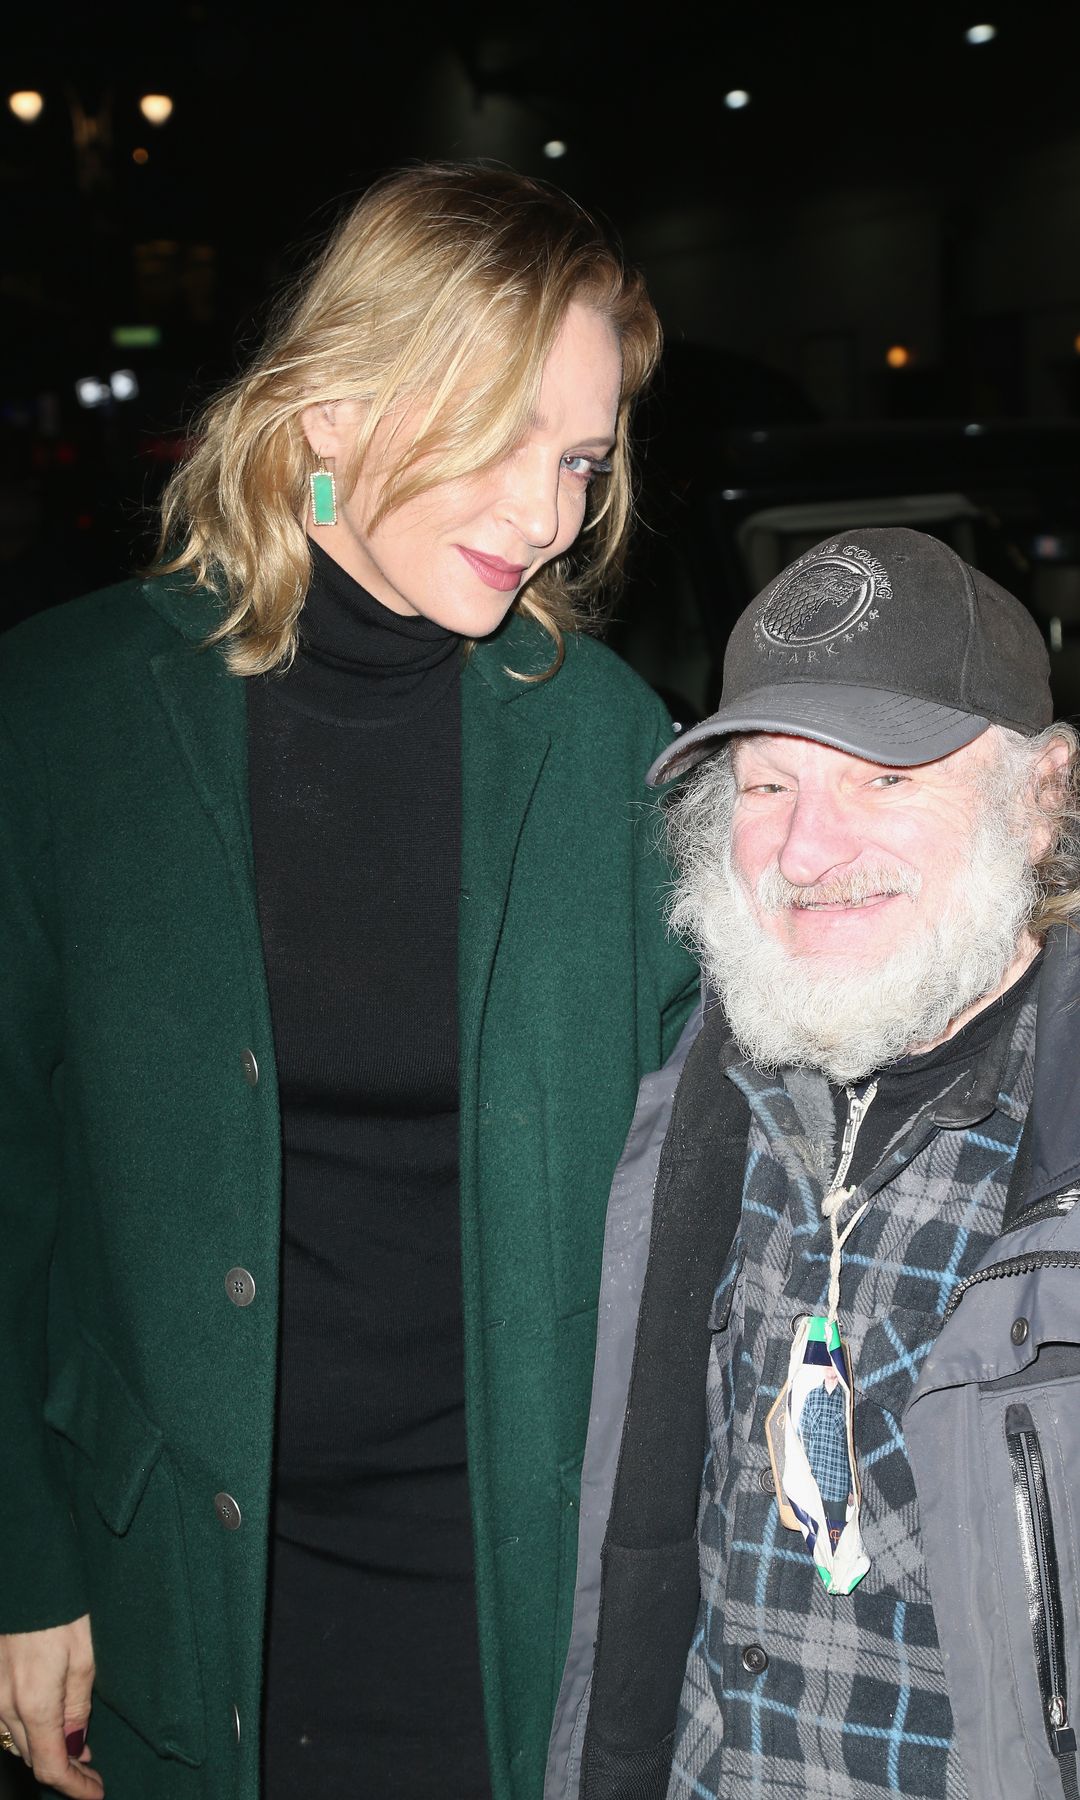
{"x":323,"y":496}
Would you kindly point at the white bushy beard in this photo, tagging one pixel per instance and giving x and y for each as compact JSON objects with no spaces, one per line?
{"x":791,"y":1011}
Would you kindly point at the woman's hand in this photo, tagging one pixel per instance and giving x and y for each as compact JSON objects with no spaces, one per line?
{"x":45,"y":1682}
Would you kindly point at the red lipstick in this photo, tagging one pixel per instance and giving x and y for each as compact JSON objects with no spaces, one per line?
{"x":493,"y":570}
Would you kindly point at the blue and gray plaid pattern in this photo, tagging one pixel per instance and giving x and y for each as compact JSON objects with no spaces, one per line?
{"x":823,"y":1430}
{"x":852,"y":1703}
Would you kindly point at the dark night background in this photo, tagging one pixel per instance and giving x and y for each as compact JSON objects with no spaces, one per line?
{"x":888,"y":186}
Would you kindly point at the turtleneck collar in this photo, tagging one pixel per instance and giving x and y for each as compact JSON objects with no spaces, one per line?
{"x":358,"y":661}
{"x":345,"y":626}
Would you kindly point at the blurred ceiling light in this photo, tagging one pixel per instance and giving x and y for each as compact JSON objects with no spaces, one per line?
{"x":124,"y":384}
{"x":555,"y":148}
{"x":1076,"y":343}
{"x":89,"y":391}
{"x":26,"y":104}
{"x":156,"y":107}
{"x":736,"y":99}
{"x":980,"y":34}
{"x":139,"y":155}
{"x":898,"y":356}
{"x":974,"y":429}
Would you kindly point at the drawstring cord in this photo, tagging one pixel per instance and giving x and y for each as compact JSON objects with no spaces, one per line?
{"x":838,"y":1196}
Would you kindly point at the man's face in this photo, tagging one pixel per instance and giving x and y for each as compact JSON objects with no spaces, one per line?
{"x":847,"y":913}
{"x":847,"y":859}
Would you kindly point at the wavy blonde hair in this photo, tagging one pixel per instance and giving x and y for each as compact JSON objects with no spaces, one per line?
{"x":443,"y":290}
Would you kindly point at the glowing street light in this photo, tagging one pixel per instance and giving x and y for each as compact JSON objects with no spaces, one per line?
{"x":26,"y":104}
{"x":736,"y":99}
{"x":156,"y":108}
{"x":555,"y":148}
{"x":980,"y":34}
{"x":898,"y":356}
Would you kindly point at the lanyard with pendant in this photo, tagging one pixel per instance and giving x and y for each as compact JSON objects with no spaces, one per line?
{"x":810,"y":1425}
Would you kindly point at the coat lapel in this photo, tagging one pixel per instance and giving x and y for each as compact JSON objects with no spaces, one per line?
{"x":205,"y":707}
{"x":503,"y":753}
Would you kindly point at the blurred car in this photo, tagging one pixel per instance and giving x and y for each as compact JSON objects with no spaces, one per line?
{"x":722,"y":522}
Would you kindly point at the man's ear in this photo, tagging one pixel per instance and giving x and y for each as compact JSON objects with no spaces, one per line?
{"x":1047,"y":787}
{"x":1050,"y":769}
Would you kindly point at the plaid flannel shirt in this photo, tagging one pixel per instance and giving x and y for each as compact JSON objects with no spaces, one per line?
{"x":790,"y":1692}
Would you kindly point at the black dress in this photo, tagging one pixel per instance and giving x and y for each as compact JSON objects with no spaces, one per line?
{"x":372,"y":1683}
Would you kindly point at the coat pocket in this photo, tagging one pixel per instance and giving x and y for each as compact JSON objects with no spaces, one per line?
{"x":1037,"y":1540}
{"x":1031,"y":1566}
{"x":127,"y":1514}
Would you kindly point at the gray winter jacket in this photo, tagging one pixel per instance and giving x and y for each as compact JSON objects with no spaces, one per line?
{"x":992,"y":1431}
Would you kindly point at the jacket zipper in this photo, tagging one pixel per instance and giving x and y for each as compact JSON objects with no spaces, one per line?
{"x":1042,"y":1585}
{"x":856,"y":1112}
{"x":1012,"y":1265}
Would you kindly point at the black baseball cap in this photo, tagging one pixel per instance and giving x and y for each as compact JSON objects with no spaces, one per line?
{"x":883,"y":643}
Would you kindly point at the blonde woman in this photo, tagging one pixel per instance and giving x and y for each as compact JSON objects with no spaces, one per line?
{"x":335,"y":957}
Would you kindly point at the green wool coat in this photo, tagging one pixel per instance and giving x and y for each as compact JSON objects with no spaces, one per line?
{"x":141,"y":1164}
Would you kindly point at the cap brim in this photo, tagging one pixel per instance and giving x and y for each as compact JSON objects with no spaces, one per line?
{"x":874,"y":723}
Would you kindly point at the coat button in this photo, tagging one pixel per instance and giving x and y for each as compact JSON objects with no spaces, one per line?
{"x":240,"y":1287}
{"x":1019,"y":1331}
{"x":227,"y":1511}
{"x":250,"y":1067}
{"x":754,"y":1659}
{"x":797,"y":1320}
{"x":766,"y":1482}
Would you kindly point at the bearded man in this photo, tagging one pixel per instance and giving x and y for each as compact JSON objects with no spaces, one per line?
{"x":858,"y":1178}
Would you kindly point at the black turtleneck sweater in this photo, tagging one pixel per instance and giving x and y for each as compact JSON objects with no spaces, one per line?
{"x":355,"y":783}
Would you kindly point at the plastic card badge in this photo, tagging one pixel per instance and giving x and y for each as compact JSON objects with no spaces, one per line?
{"x":812,"y":1450}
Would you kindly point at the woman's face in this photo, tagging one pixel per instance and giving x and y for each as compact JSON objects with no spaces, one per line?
{"x":460,"y":553}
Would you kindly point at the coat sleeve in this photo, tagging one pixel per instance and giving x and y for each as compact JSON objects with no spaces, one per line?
{"x":41,"y":1582}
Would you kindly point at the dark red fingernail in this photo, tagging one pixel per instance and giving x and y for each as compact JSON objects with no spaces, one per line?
{"x":75,"y":1741}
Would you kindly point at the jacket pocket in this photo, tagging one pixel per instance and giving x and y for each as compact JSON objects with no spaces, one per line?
{"x":127,"y":1514}
{"x":1041,"y":1575}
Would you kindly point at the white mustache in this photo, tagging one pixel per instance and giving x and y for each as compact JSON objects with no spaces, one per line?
{"x":775,"y":893}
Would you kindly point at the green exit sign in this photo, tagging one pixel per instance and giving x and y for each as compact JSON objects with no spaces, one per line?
{"x":136,"y":337}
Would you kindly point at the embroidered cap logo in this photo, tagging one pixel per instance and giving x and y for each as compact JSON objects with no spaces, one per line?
{"x":827,"y":596}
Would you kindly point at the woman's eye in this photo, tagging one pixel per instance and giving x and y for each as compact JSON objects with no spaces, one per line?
{"x":585,"y":467}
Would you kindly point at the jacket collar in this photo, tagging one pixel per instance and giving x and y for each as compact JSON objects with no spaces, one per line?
{"x":192,"y":611}
{"x":1055,"y":1109}
{"x":519,"y":648}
